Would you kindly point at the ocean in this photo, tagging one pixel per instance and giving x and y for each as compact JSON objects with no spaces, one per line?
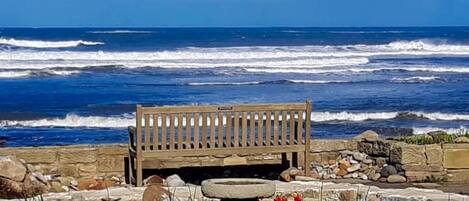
{"x":81,"y":85}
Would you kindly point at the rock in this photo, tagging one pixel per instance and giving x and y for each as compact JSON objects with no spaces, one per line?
{"x":93,"y":184}
{"x":383,"y":179}
{"x":359,"y":156}
{"x":155,"y":193}
{"x":403,"y":153}
{"x":348,"y":176}
{"x":174,"y":180}
{"x":344,"y":166}
{"x":285,"y":176}
{"x":65,"y":181}
{"x":30,"y":187}
{"x":333,"y":176}
{"x":364,"y":177}
{"x":354,"y":175}
{"x":12,"y":168}
{"x":376,"y":177}
{"x":348,"y":196}
{"x":305,"y":178}
{"x":238,"y":188}
{"x":342,"y":172}
{"x":154,"y":179}
{"x":331,"y":162}
{"x":369,"y":136}
{"x":353,"y":168}
{"x":388,"y":170}
{"x":56,"y":187}
{"x":396,"y":179}
{"x":344,"y":162}
{"x":461,"y":139}
{"x":353,"y":161}
{"x":367,"y":161}
{"x":380,"y":162}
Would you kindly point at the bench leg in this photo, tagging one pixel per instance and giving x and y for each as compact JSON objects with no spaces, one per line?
{"x":307,"y":165}
{"x":139,"y":181}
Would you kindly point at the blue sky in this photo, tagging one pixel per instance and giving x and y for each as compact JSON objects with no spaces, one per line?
{"x":232,"y":13}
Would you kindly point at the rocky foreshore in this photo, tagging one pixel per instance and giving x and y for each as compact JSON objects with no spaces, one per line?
{"x":312,"y":191}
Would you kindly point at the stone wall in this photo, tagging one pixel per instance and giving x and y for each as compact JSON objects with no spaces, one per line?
{"x":418,"y":162}
{"x":89,"y":161}
{"x":75,"y":161}
{"x":432,"y":163}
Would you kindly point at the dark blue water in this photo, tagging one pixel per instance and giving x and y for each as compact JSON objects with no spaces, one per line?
{"x":76,"y":86}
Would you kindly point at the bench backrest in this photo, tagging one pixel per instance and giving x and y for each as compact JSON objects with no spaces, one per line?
{"x":211,"y":127}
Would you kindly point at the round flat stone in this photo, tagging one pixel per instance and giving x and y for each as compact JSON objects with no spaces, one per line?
{"x":238,"y":188}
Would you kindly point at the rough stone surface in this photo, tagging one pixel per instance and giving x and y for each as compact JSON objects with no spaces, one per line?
{"x":434,"y":154}
{"x":455,"y":156}
{"x":37,"y":155}
{"x":29,"y":187}
{"x":388,"y":170}
{"x":368,"y":135}
{"x":174,"y":180}
{"x":83,"y":155}
{"x":12,"y":168}
{"x":396,"y":179}
{"x":243,"y":188}
{"x":461,"y":139}
{"x":381,"y":148}
{"x":408,"y":154}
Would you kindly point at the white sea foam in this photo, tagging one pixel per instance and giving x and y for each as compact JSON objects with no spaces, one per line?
{"x":29,"y":73}
{"x":121,"y":32}
{"x":266,"y":82}
{"x":294,"y":59}
{"x":416,"y":79}
{"x":122,"y":121}
{"x":221,"y":83}
{"x":45,"y":44}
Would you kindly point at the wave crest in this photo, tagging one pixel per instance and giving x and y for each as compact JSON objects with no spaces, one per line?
{"x":45,"y":44}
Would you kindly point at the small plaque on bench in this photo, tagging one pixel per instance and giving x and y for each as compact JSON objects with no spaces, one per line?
{"x":225,"y":108}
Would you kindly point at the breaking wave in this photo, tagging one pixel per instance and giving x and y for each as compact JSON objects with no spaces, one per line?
{"x":30,"y":73}
{"x":45,"y":44}
{"x":266,"y":82}
{"x":417,"y":79}
{"x":121,"y":32}
{"x":122,"y":121}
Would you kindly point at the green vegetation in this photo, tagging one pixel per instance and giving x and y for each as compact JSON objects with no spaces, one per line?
{"x":436,"y":137}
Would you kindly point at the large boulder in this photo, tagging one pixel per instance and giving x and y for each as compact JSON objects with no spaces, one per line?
{"x":31,"y":186}
{"x":12,"y":168}
{"x":461,"y":139}
{"x":388,"y":170}
{"x":369,"y":136}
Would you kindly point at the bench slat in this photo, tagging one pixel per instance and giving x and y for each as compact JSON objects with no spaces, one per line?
{"x":244,"y":128}
{"x":163,"y":131}
{"x":236,"y":129}
{"x":292,"y":126}
{"x":220,"y":129}
{"x":284,"y":128}
{"x":276,"y":128}
{"x":268,"y":126}
{"x":196,"y":130}
{"x":204,"y":130}
{"x":299,"y":129}
{"x":147,"y":131}
{"x":212,"y":130}
{"x":260,"y":129}
{"x":180,"y":134}
{"x":171,"y":130}
{"x":252,"y":128}
{"x":228,"y":129}
{"x":155,"y":131}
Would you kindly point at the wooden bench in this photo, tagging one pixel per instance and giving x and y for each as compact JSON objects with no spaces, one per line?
{"x":163,"y":132}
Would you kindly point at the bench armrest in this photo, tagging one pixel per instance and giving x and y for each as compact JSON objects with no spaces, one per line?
{"x":132,"y":139}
